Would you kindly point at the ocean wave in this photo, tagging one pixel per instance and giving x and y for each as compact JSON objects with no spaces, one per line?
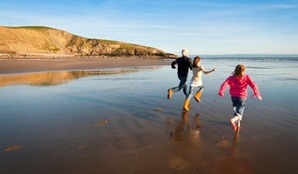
{"x":258,"y":58}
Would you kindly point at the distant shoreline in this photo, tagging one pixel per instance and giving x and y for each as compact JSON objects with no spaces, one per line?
{"x":26,"y":65}
{"x":21,"y":64}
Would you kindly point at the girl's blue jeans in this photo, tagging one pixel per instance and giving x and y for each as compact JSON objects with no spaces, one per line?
{"x":238,"y":105}
{"x":192,"y":89}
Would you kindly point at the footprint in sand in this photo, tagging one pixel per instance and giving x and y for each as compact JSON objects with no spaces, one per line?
{"x":13,"y":148}
{"x":223,"y":143}
{"x":157,"y":109}
{"x":81,"y":146}
{"x":102,"y":122}
{"x":178,"y":163}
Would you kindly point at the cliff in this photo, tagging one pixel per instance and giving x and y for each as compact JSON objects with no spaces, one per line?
{"x":38,"y":40}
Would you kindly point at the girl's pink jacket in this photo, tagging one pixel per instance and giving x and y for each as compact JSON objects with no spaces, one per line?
{"x":238,"y":86}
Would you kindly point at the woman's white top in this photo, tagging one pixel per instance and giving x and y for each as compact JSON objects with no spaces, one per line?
{"x":196,"y":79}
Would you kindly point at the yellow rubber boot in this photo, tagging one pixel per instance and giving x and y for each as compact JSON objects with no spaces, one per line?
{"x":198,"y":96}
{"x":186,"y":104}
{"x":170,"y":93}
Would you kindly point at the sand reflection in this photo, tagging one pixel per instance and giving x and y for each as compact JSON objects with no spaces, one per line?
{"x":13,"y":148}
{"x":57,"y":78}
{"x":185,"y":132}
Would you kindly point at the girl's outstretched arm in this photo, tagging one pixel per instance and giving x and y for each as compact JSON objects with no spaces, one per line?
{"x":223,"y":86}
{"x":208,"y":72}
{"x":255,"y":88}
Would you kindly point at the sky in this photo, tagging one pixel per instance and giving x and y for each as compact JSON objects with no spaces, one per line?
{"x":204,"y":27}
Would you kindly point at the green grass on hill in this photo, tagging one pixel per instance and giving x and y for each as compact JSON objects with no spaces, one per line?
{"x":34,"y":27}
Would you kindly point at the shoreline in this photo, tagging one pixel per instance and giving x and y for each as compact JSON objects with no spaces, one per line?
{"x":21,"y":65}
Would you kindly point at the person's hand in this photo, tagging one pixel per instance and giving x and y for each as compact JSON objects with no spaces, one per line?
{"x":259,"y":97}
{"x":214,"y":69}
{"x":221,"y":94}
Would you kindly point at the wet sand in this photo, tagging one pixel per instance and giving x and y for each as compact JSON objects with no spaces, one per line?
{"x":17,"y":65}
{"x":120,"y":121}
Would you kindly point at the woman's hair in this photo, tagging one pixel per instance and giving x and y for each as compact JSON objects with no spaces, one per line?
{"x":239,"y":70}
{"x":196,"y":60}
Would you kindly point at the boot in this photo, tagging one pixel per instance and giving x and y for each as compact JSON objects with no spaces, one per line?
{"x":198,"y":96}
{"x":186,"y":104}
{"x":170,"y":93}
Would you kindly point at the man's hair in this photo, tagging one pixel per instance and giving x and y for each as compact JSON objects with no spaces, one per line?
{"x":184,"y":52}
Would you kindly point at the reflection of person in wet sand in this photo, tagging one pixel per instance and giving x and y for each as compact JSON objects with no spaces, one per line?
{"x":232,"y":163}
{"x":196,"y":120}
{"x":196,"y":81}
{"x":185,"y":131}
{"x":238,"y":83}
{"x":234,"y":148}
{"x":184,"y":64}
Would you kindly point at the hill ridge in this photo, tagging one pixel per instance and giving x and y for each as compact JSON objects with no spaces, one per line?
{"x":43,"y":40}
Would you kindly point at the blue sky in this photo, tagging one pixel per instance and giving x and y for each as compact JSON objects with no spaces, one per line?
{"x":202,"y":26}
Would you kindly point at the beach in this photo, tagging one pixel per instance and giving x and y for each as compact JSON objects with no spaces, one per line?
{"x":21,"y":65}
{"x":113,"y":116}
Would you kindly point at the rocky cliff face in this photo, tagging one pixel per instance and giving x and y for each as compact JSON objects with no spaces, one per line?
{"x":45,"y":40}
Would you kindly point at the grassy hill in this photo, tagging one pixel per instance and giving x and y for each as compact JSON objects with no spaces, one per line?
{"x":39,"y":40}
